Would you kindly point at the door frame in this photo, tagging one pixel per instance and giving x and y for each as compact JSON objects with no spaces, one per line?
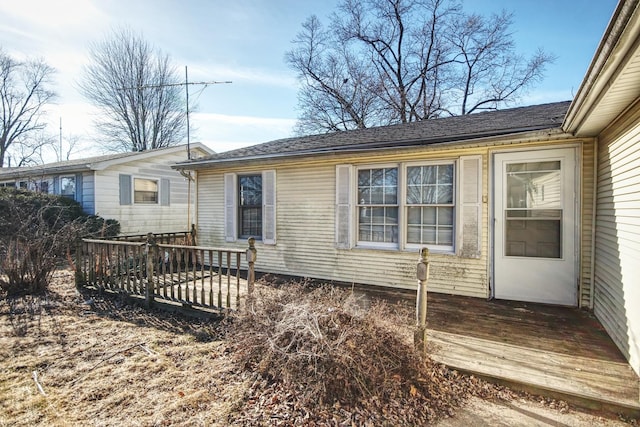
{"x":577,"y":211}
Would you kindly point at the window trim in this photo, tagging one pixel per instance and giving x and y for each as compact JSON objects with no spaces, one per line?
{"x":455,"y":205}
{"x":75,"y":183}
{"x":356,"y":206}
{"x":402,"y":244}
{"x":239,"y":206}
{"x":133,"y":190}
{"x":269,"y":208}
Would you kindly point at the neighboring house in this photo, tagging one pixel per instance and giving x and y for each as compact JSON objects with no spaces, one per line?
{"x":139,"y":189}
{"x":531,"y":204}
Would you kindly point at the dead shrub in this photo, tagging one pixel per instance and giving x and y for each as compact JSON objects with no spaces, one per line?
{"x":23,"y":312}
{"x":324,"y":348}
{"x":36,"y":230}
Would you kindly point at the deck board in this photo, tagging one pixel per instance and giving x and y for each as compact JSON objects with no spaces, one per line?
{"x":563,"y":350}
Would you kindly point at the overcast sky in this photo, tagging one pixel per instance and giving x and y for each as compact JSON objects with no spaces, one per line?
{"x":244,"y":41}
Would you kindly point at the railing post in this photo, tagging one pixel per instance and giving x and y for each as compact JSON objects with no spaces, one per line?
{"x":79,"y":267}
{"x":252,"y":254}
{"x":152,"y":257}
{"x":194,"y":234}
{"x":422,"y":273}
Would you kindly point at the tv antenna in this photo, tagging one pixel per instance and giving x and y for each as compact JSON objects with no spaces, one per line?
{"x":186,"y":85}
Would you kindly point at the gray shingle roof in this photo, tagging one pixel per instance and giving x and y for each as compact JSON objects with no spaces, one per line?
{"x":449,"y":129}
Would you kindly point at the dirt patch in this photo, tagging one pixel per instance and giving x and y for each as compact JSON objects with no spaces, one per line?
{"x":75,"y":358}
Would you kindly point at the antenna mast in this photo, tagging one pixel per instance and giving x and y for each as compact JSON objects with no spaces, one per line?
{"x":186,"y":88}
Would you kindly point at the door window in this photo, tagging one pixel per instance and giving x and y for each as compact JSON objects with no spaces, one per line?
{"x":533,"y":214}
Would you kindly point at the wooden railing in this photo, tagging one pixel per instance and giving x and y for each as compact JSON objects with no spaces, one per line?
{"x":190,"y":275}
{"x":173,"y":238}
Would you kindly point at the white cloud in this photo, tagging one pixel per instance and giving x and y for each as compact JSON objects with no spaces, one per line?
{"x":226,"y":132}
{"x":60,"y":15}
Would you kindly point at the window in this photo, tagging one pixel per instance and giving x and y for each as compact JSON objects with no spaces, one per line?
{"x":42,"y":186}
{"x":378,"y":205}
{"x":8,"y":184}
{"x":437,"y":204}
{"x":430,"y":205}
{"x":249,"y":205}
{"x":145,"y":191}
{"x":68,"y":186}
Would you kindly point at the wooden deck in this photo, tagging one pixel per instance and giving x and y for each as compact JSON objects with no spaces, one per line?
{"x":557,"y":351}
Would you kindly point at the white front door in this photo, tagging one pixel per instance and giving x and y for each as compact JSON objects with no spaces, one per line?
{"x":535,"y":226}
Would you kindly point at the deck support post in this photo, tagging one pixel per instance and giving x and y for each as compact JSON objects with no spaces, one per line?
{"x":422,"y":273}
{"x":252,"y":254}
{"x":152,"y":257}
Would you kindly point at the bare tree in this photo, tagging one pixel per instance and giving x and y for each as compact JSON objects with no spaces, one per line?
{"x":336,"y":94}
{"x":135,"y":87}
{"x":63,"y":152}
{"x":24,"y":92}
{"x":399,"y":61}
{"x":488,"y":72}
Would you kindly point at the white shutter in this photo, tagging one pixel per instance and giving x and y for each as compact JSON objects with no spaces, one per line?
{"x":470,"y":218}
{"x":343,"y":206}
{"x":269,"y":207}
{"x":230,"y":207}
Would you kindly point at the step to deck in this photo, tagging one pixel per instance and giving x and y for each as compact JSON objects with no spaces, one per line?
{"x":592,"y":383}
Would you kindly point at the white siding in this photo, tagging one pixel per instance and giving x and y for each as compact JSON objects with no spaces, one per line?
{"x":306,"y":221}
{"x":144,"y":218}
{"x":587,"y":189}
{"x":617,"y":253}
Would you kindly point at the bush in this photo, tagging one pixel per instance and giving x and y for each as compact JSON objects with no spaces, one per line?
{"x":100,"y":228}
{"x":323,"y":348}
{"x":36,"y":230}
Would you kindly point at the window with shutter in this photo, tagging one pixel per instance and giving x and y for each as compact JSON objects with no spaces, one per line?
{"x":250,"y":206}
{"x":434,"y":204}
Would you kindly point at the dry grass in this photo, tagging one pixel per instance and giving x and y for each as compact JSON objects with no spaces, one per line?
{"x":297,"y":358}
{"x":102,"y":362}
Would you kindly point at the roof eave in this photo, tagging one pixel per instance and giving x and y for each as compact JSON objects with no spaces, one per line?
{"x":361,"y":148}
{"x":43,"y":171}
{"x":611,"y":52}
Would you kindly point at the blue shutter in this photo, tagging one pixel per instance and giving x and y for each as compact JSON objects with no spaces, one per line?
{"x":125,"y":189}
{"x":79,"y":188}
{"x":165,"y":191}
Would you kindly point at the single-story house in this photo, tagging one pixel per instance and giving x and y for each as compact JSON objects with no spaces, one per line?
{"x":139,"y":189}
{"x":538,"y":203}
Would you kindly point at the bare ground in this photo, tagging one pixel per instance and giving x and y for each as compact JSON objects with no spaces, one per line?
{"x":84,"y":359}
